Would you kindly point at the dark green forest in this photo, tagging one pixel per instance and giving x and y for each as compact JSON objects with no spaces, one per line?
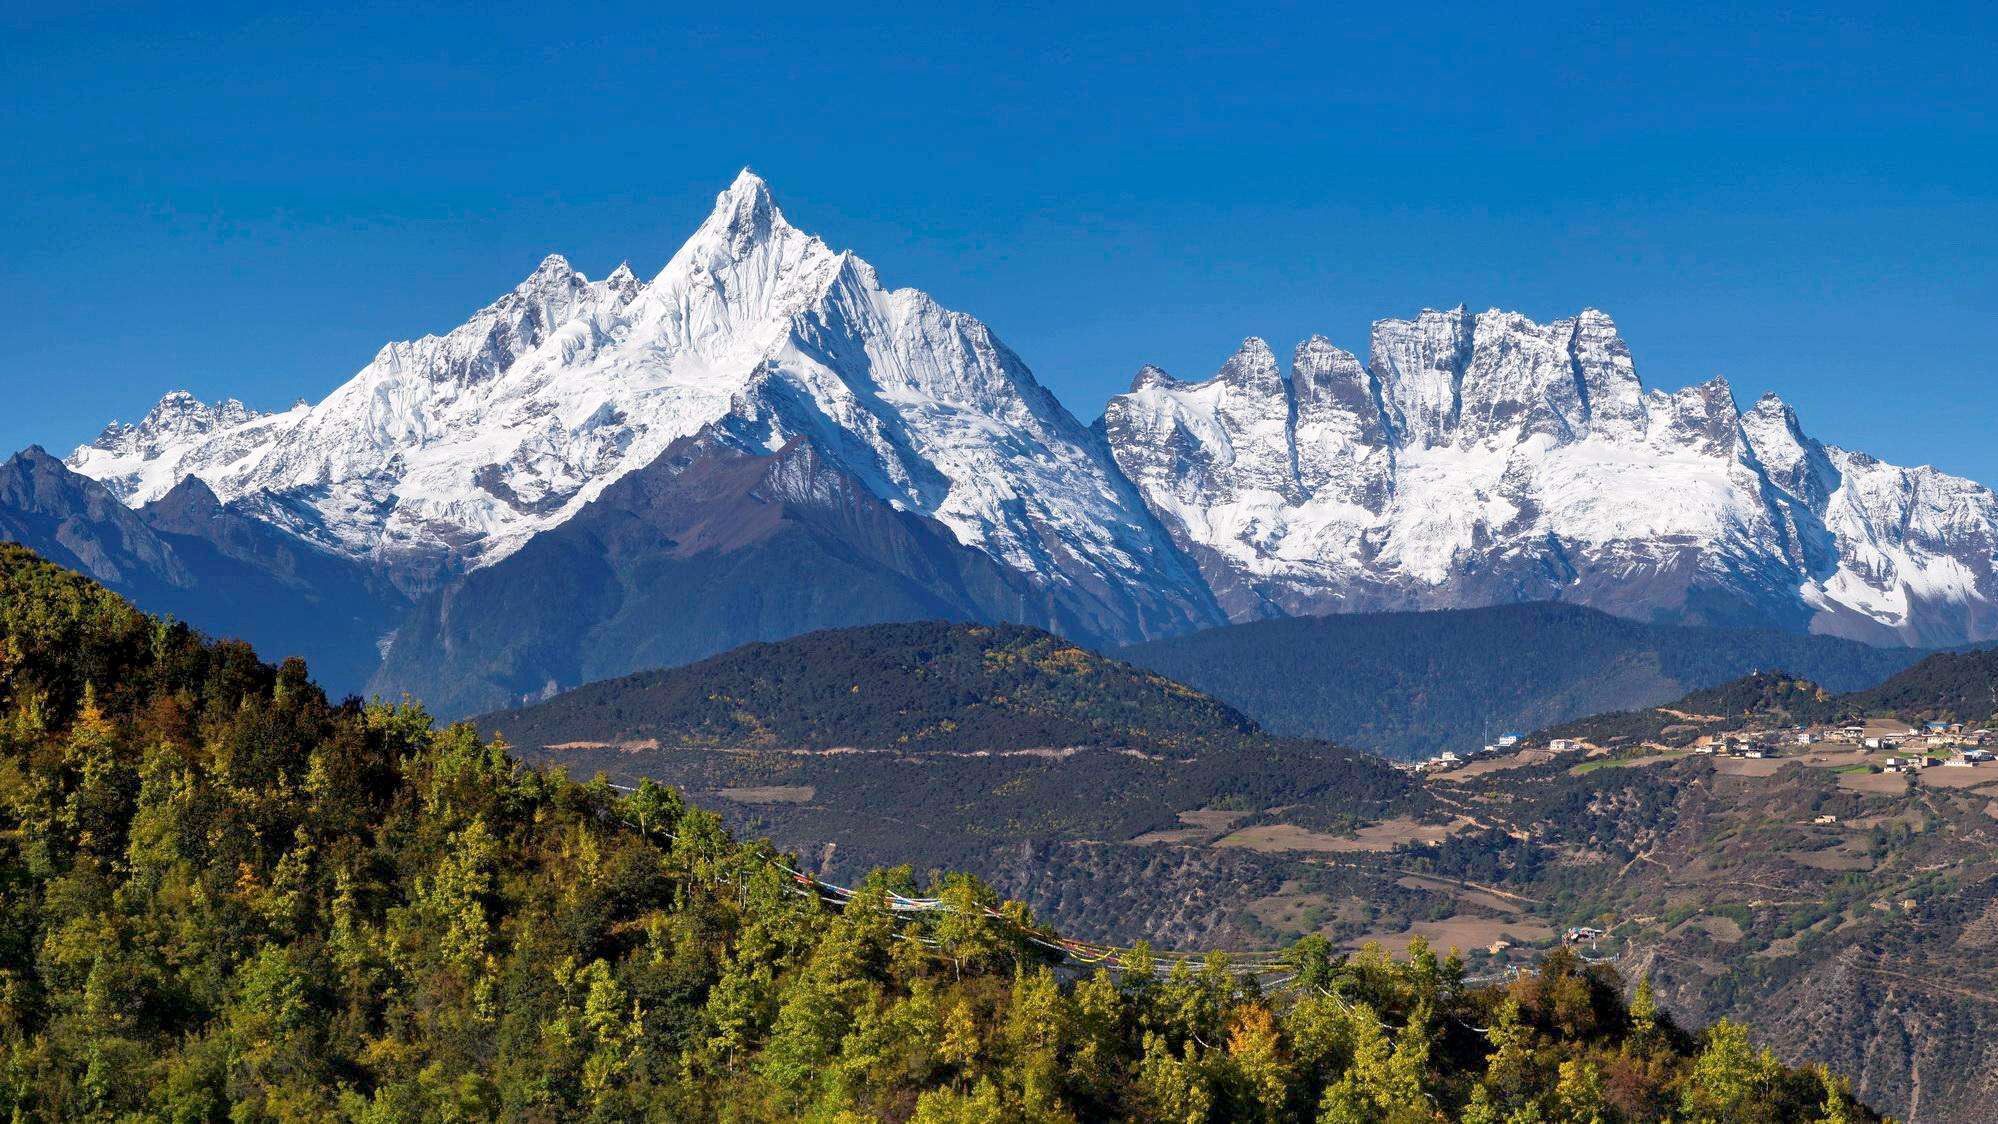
{"x":224,"y":896}
{"x":932,"y":685}
{"x":1771,"y":696}
{"x":1948,"y":686}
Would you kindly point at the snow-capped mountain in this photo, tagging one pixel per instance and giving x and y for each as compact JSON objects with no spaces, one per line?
{"x":1485,"y":459}
{"x":449,"y":452}
{"x":1470,"y":460}
{"x":180,"y":437}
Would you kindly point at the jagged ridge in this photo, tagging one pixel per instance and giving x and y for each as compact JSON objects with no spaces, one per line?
{"x":1487,"y":459}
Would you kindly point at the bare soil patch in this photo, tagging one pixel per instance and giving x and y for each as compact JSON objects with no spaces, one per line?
{"x":1722,"y":929}
{"x":1201,"y":824}
{"x":637,"y":745}
{"x":770,"y":794}
{"x":1497,"y":764}
{"x":1470,"y":895}
{"x":1662,"y":757}
{"x":1836,"y":757}
{"x":1875,"y":784}
{"x":1464,"y":933}
{"x":1383,"y":836}
{"x":1690,"y":717}
{"x":1748,"y":767}
{"x":1292,"y":911}
{"x":1836,"y":858}
{"x":1950,"y":776}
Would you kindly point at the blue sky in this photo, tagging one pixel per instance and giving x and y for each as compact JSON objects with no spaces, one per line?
{"x":251,"y":203}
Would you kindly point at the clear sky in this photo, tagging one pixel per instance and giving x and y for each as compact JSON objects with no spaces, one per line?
{"x":251,"y":203}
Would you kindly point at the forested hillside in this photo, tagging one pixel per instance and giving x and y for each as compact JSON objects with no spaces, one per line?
{"x":950,"y":744}
{"x":924,"y":685}
{"x":1948,"y":686}
{"x":1769,"y":695}
{"x":1409,"y":685}
{"x":223,"y":897}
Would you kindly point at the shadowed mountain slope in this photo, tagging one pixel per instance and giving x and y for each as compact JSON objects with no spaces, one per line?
{"x":706,"y":549}
{"x":188,"y":555}
{"x":1411,"y":684}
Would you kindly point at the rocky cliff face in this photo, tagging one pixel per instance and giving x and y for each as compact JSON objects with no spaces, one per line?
{"x":1485,"y":459}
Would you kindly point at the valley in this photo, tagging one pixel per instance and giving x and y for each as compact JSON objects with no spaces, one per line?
{"x":1844,"y":914}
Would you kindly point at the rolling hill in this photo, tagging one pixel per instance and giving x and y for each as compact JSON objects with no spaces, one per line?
{"x":927,"y":685}
{"x":1945,"y":686}
{"x":951,"y":743}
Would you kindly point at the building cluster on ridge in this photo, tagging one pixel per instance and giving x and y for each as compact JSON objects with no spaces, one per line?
{"x":1875,"y":745}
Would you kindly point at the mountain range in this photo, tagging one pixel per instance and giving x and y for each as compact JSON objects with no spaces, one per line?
{"x":1483,"y":459}
{"x":589,"y":478}
{"x":188,"y":555}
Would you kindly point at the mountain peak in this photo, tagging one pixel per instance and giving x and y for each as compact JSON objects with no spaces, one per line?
{"x":1318,"y":358}
{"x":554,"y":273}
{"x":1772,"y":419}
{"x":623,"y":281}
{"x":1714,"y":396}
{"x":178,"y":412}
{"x":745,"y":211}
{"x":174,"y":403}
{"x":1253,"y":366}
{"x":192,"y":494}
